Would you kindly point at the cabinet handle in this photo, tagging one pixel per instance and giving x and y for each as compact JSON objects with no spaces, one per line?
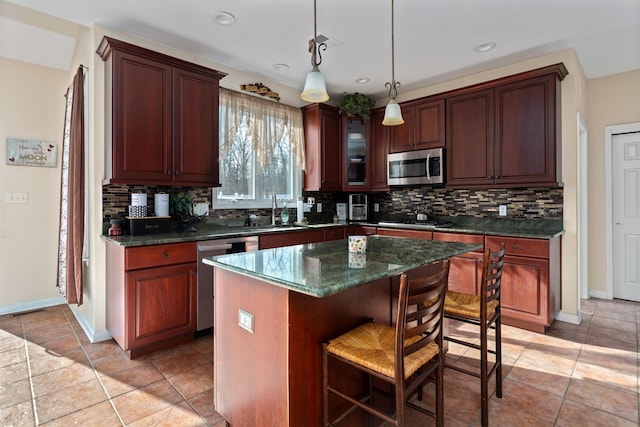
{"x":177,"y":173}
{"x":168,"y":171}
{"x":165,"y":255}
{"x":514,"y":246}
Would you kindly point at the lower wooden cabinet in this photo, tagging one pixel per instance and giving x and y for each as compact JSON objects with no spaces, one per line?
{"x":288,"y":238}
{"x":465,"y":271}
{"x":413,"y":234}
{"x":531,"y":293}
{"x":151,"y":296}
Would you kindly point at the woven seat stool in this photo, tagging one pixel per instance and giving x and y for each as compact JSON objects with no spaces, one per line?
{"x":405,"y":356}
{"x":483,"y":311}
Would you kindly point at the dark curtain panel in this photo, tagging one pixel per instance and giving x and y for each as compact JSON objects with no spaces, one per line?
{"x":72,"y":195}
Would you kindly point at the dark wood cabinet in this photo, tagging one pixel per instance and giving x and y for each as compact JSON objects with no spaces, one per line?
{"x":356,"y":230}
{"x":505,"y":133}
{"x":161,"y":118}
{"x":531,"y":293}
{"x":413,"y":234}
{"x":323,"y":148}
{"x":465,"y":270}
{"x":151,"y":296}
{"x":423,"y":128}
{"x":337,"y":233}
{"x":288,"y":238}
{"x":356,"y":154}
{"x":379,"y":149}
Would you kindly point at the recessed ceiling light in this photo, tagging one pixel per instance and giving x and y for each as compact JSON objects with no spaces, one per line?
{"x":362,"y":80}
{"x":224,"y":18}
{"x":280,"y":67}
{"x":485,"y":47}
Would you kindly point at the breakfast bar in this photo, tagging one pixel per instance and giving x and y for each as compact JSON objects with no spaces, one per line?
{"x":274,"y":308}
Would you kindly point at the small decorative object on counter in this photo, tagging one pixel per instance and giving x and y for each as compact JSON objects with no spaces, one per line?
{"x":358,"y":244}
{"x":116,"y":227}
{"x":335,"y":219}
{"x":284,"y":215}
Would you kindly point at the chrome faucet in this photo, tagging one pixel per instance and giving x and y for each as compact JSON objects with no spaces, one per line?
{"x":274,"y":206}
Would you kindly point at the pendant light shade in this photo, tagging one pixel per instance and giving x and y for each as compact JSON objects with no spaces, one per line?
{"x":315,"y":89}
{"x":392,"y":114}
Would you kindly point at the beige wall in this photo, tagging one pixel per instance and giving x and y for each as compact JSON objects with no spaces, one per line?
{"x":612,"y":100}
{"x":31,"y":107}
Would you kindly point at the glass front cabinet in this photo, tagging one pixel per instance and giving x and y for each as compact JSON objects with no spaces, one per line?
{"x":356,"y":147}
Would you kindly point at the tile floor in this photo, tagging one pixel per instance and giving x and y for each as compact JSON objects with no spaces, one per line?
{"x":50,"y":374}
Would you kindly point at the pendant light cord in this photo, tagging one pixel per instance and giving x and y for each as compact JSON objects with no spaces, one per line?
{"x":315,"y":48}
{"x":393,"y":85}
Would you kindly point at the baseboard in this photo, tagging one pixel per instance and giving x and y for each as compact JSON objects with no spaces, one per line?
{"x":598,"y":294}
{"x":568,"y":318}
{"x":31,"y":305}
{"x":93,"y":335}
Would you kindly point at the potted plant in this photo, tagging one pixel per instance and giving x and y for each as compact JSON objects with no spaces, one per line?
{"x":180,"y":204}
{"x":356,"y":104}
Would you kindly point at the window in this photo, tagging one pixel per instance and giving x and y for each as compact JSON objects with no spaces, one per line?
{"x":261,"y":152}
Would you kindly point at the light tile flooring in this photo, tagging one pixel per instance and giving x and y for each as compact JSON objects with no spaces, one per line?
{"x":50,"y":374}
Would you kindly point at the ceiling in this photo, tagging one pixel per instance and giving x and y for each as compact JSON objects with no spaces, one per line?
{"x":434,"y":39}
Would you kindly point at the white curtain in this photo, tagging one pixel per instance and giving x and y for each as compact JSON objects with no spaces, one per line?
{"x":267,"y":121}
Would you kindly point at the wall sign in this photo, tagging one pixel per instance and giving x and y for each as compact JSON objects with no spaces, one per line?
{"x":23,"y":152}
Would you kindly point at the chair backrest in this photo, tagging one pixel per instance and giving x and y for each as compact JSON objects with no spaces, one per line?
{"x":420,"y":314}
{"x":491,"y":279}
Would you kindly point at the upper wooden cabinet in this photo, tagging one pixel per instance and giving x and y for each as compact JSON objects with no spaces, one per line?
{"x":424,"y":125}
{"x":322,"y":148}
{"x":357,"y":153}
{"x":161,"y":118}
{"x":504,"y":133}
{"x":378,"y":151}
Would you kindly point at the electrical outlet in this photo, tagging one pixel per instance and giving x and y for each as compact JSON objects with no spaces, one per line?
{"x":319,"y":207}
{"x":502,"y":210}
{"x":376,"y":207}
{"x":306,"y":207}
{"x":245,"y":320}
{"x":311,"y":200}
{"x":17,"y":198}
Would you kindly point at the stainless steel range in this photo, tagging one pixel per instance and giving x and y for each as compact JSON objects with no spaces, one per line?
{"x":209,"y":248}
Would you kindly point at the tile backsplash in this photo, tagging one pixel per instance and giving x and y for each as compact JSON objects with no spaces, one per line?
{"x":522,"y":203}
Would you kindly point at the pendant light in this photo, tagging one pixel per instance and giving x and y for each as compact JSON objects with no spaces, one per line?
{"x":392,"y":114}
{"x":315,"y":89}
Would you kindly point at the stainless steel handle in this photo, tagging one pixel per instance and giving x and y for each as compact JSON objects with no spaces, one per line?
{"x":426,"y":167}
{"x":214,"y":247}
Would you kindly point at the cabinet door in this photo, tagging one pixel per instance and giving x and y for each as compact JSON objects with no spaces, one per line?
{"x":402,"y":137}
{"x":413,"y":234}
{"x":469,"y":136}
{"x":360,"y":231}
{"x":525,"y":291}
{"x":160,"y":303}
{"x":379,"y":149}
{"x":195,"y":129}
{"x":322,"y":148}
{"x":525,"y":132}
{"x":429,"y":125}
{"x":465,"y":273}
{"x":356,"y":154}
{"x":141,"y":128}
{"x":334,"y":234}
{"x":280,"y":239}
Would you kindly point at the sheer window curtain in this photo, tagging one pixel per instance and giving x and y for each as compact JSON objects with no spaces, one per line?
{"x":259,"y":114}
{"x":71,"y":245}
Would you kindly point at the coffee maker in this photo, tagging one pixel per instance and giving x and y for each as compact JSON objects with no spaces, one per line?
{"x":358,"y":207}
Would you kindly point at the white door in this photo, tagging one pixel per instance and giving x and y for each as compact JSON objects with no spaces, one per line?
{"x":626,"y":215}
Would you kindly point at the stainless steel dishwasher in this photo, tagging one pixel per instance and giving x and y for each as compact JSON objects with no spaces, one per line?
{"x":209,"y":248}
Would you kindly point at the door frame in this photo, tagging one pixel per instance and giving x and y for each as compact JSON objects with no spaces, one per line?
{"x":583,"y":210}
{"x":609,"y":132}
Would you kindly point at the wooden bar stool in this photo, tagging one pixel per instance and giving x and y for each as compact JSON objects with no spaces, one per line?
{"x":484,"y":311}
{"x":406,"y":355}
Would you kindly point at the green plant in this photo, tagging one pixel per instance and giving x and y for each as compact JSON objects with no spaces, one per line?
{"x":180,"y":204}
{"x":356,"y":104}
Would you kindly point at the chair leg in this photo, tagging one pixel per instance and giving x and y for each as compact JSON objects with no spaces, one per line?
{"x":499,"y":356}
{"x":325,"y":384}
{"x":484,"y":375}
{"x":440,"y":392}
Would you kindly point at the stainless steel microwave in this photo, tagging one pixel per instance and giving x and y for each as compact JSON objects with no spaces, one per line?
{"x":416,"y":167}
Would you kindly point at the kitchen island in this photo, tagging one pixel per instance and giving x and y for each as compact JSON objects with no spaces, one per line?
{"x":274,"y":308}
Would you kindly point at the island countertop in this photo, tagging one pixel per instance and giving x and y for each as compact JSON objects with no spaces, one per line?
{"x":323,"y":269}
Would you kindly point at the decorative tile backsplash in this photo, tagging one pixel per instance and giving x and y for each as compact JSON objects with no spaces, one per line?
{"x":523,"y":203}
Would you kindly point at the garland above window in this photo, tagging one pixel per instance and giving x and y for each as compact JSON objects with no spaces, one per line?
{"x":260,"y":89}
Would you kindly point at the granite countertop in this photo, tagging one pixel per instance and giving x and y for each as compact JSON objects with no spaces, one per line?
{"x":531,"y":228}
{"x":323,"y":269}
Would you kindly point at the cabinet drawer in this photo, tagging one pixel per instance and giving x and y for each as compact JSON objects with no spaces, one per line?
{"x":158,"y":255}
{"x":412,"y":234}
{"x":475,"y":239}
{"x":334,"y":234}
{"x":537,"y":248}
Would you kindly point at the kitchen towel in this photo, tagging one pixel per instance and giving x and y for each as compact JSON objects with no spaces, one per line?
{"x":161,"y":204}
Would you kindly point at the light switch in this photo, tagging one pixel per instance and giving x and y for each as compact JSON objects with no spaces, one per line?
{"x":245,"y":320}
{"x":17,"y":198}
